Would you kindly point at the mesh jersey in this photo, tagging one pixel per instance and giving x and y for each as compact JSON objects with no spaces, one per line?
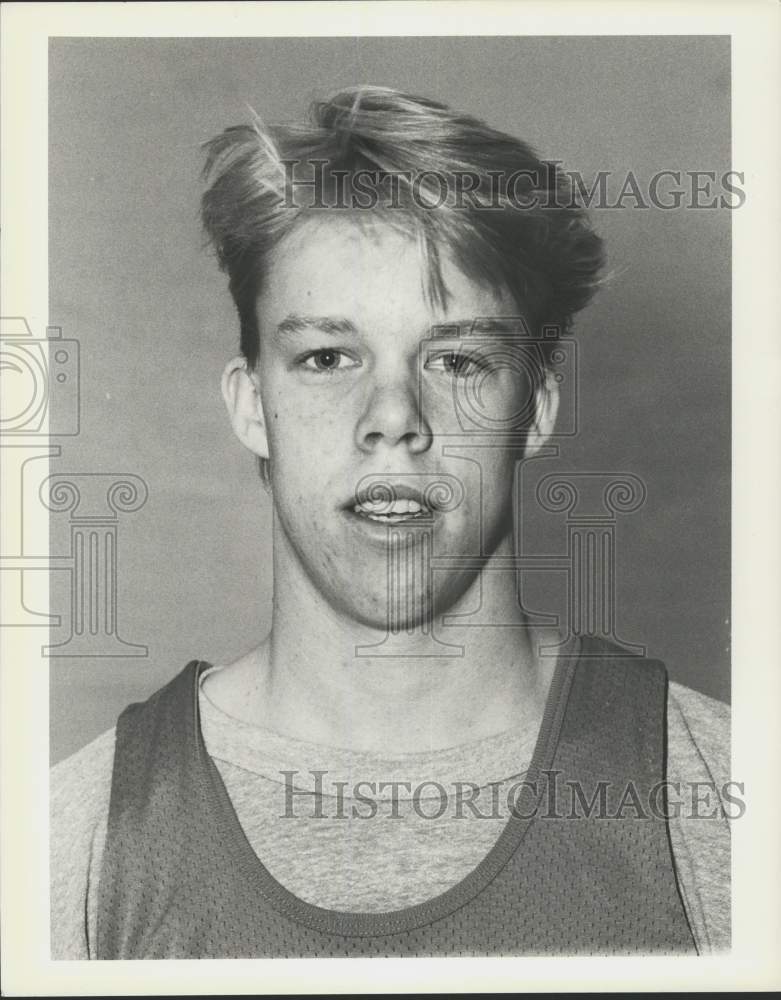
{"x":590,"y":873}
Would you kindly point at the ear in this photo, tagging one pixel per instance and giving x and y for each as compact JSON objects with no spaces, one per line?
{"x":240,"y":390}
{"x":546,"y":407}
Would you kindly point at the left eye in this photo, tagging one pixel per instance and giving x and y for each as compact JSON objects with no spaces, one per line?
{"x":328,"y":360}
{"x":455,"y":363}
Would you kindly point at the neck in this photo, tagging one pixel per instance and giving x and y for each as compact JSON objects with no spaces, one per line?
{"x":312,"y":683}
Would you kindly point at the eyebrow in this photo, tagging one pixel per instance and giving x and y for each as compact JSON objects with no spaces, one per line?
{"x":458,"y":328}
{"x":334,"y":325}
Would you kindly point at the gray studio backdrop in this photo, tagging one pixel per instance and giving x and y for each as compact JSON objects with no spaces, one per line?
{"x":130,"y":280}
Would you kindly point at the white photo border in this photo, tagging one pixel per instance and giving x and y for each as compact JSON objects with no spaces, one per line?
{"x":754,"y":961}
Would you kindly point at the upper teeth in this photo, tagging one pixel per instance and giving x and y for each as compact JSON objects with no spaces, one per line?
{"x":385,"y":507}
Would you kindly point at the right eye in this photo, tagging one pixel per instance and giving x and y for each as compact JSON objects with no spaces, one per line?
{"x":327,"y":359}
{"x":457,"y":364}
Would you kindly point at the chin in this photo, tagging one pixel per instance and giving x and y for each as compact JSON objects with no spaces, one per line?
{"x":378,"y":616}
{"x":410,"y":612}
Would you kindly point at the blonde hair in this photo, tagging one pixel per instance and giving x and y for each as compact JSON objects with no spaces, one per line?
{"x":541,"y":248}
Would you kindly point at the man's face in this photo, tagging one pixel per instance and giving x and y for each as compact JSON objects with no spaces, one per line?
{"x":350,"y":399}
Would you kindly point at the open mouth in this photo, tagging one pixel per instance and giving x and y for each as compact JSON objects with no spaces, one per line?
{"x":388,"y":503}
{"x":397,"y":512}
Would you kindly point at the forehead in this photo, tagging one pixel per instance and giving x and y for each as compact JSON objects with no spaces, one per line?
{"x":341,"y":266}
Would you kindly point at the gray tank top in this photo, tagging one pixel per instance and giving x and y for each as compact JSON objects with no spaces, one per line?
{"x":583,"y":866}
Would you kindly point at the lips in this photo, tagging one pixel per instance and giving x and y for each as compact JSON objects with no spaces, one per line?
{"x":388,"y":502}
{"x":394,"y":512}
{"x":414,"y":497}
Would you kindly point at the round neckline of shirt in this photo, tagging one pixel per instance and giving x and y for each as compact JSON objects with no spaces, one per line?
{"x":272,"y":755}
{"x":251,"y":867}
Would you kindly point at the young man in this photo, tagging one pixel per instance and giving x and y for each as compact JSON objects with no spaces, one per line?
{"x":379,"y":777}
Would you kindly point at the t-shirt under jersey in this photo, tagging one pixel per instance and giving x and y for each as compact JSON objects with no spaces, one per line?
{"x":361,"y":832}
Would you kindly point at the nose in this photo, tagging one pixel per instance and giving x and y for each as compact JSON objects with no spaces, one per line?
{"x":393,"y":418}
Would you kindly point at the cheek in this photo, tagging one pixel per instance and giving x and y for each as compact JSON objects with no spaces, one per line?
{"x":505,"y":404}
{"x":496,"y":401}
{"x":303,"y":435}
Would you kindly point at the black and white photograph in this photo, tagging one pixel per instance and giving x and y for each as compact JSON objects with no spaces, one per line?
{"x":371,"y":469}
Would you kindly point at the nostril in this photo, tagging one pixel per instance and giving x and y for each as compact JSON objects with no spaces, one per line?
{"x":392,"y":417}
